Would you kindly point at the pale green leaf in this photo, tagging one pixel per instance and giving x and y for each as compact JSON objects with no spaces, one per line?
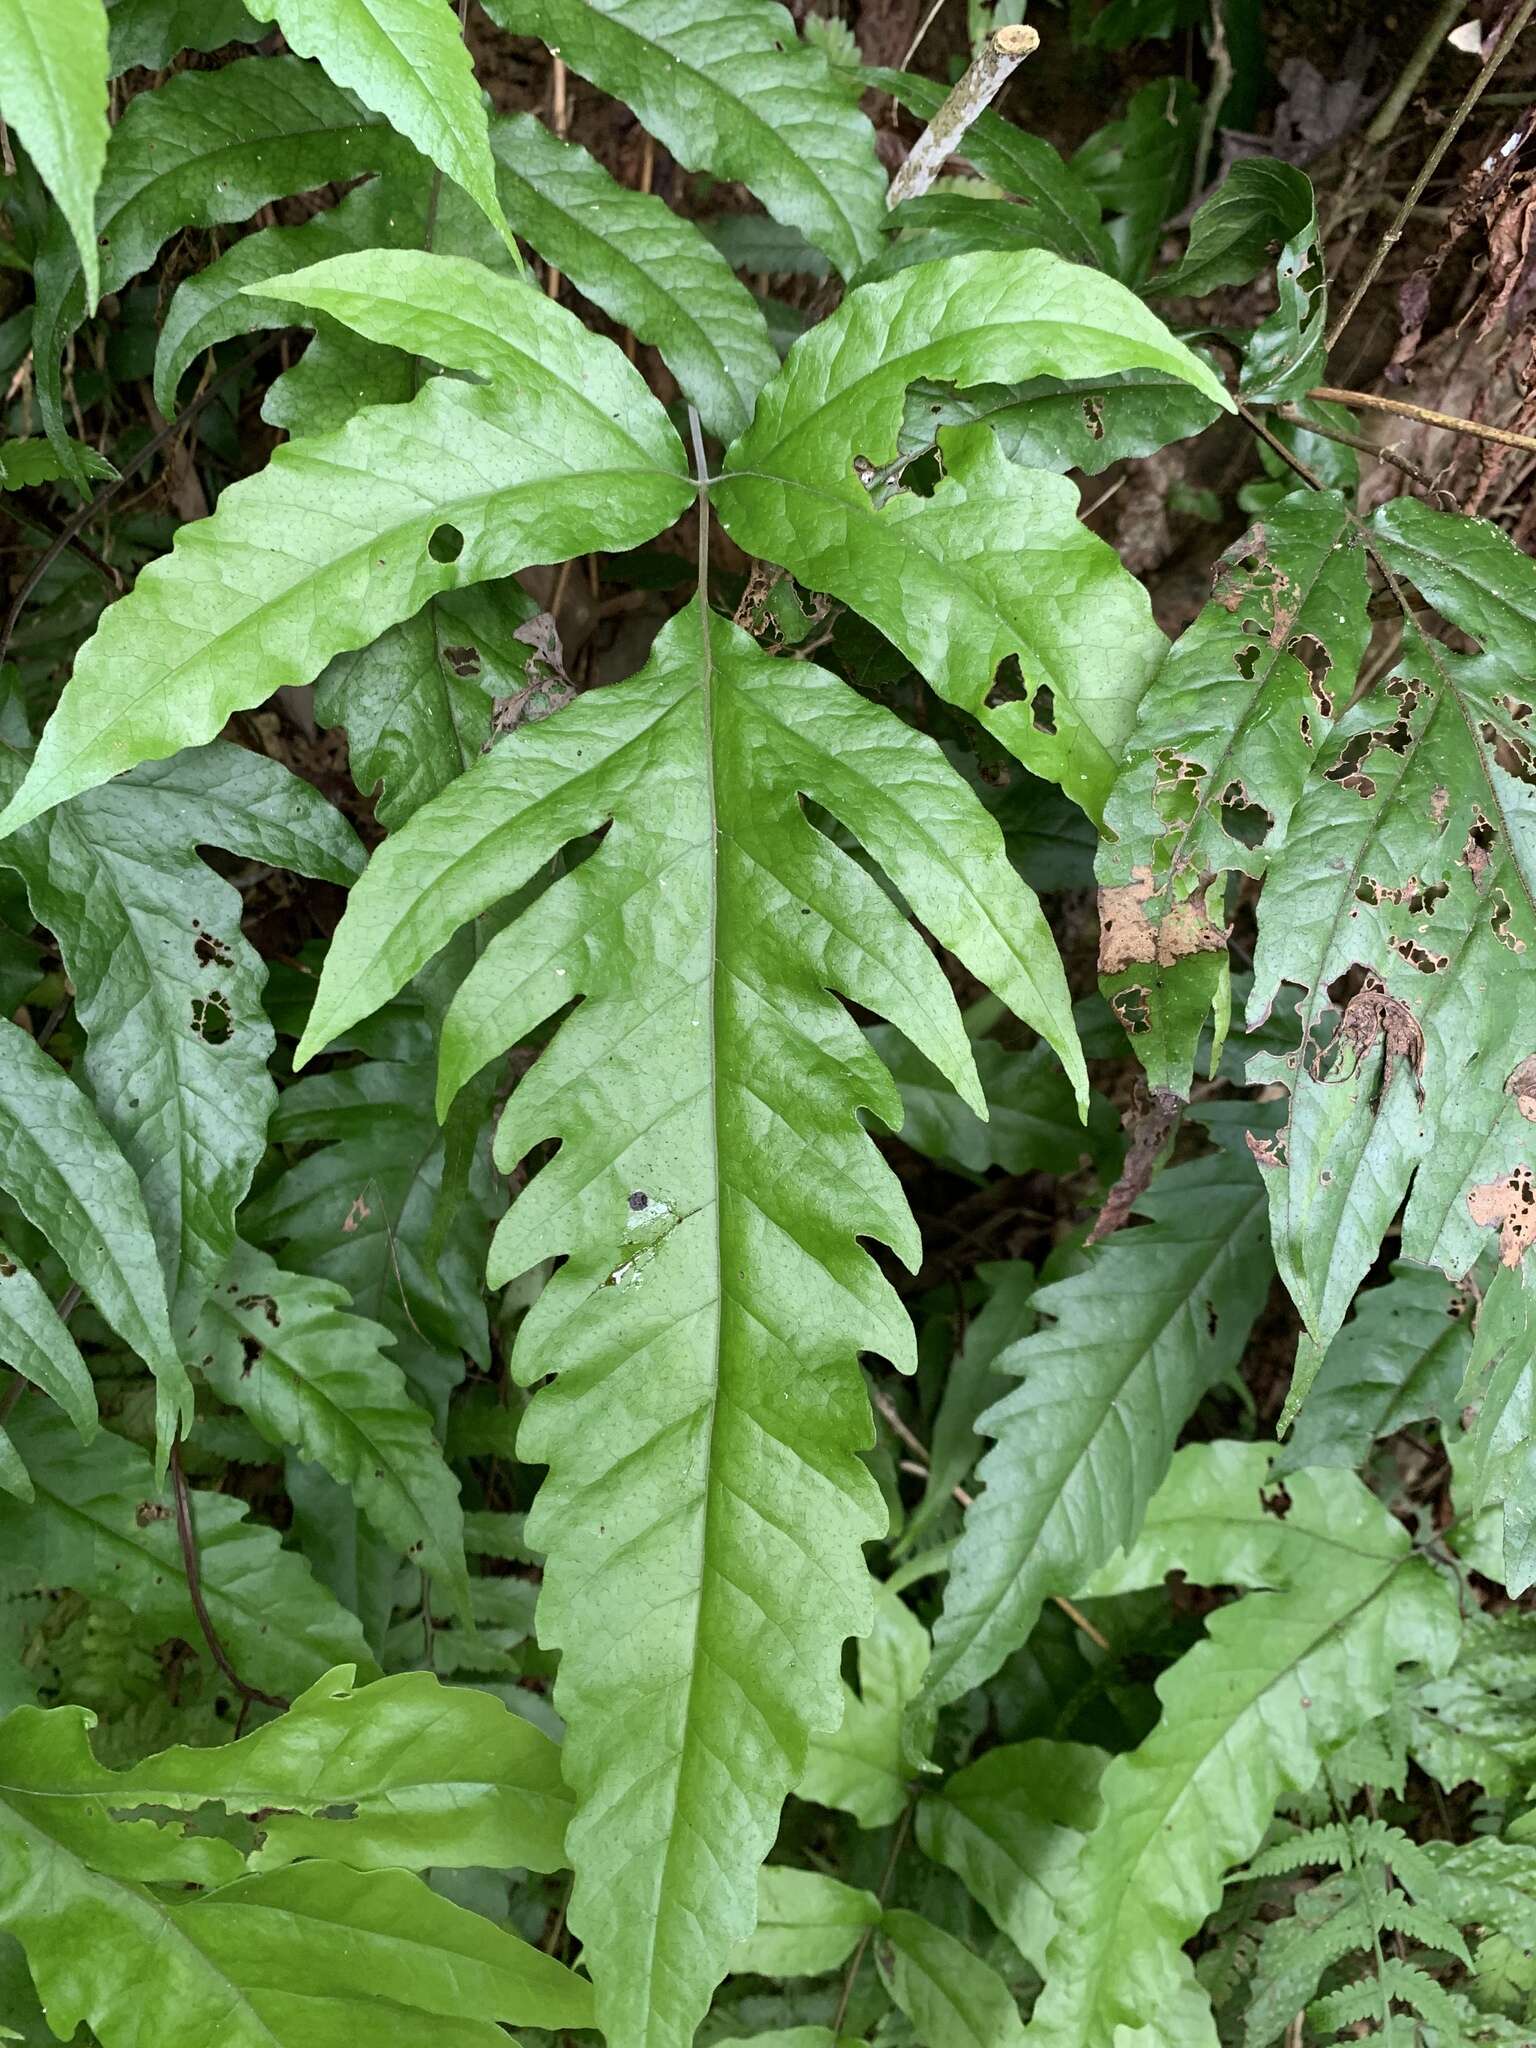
{"x":408,"y":61}
{"x":861,"y":1766}
{"x":953,"y":1998}
{"x":562,"y":449}
{"x":35,"y":1343}
{"x":1411,"y":855}
{"x":732,"y":92}
{"x":405,"y":1773}
{"x":806,"y":1923}
{"x":53,"y":94}
{"x":993,"y":566}
{"x":59,"y":1165}
{"x":101,"y":1525}
{"x":204,"y":148}
{"x":1224,"y":738}
{"x":1478,"y":1724}
{"x":1495,"y":1459}
{"x":24,"y":464}
{"x":649,"y":270}
{"x":169,"y":990}
{"x":1399,"y":1359}
{"x":1158,"y":1315}
{"x":1247,"y":1714}
{"x":1010,"y":1826}
{"x":315,"y":1377}
{"x":706,"y":1196}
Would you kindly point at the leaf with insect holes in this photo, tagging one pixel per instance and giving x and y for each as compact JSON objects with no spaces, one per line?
{"x":169,"y":989}
{"x":1160,"y":1312}
{"x":733,"y":92}
{"x":203,"y":148}
{"x":407,"y":59}
{"x":405,"y":1773}
{"x":1282,"y":1676}
{"x":53,"y":94}
{"x":992,"y":570}
{"x":1403,"y":904}
{"x":560,"y":449}
{"x":1224,"y":737}
{"x":1260,"y":202}
{"x":284,"y":1348}
{"x":712,"y":1179}
{"x":1062,"y":423}
{"x":102,"y":1525}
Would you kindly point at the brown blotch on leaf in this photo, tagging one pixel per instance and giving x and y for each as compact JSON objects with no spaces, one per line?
{"x":1522,"y":1085}
{"x":1128,"y":937}
{"x":149,"y":1511}
{"x":358,"y":1213}
{"x":265,"y":1303}
{"x":1509,"y":1205}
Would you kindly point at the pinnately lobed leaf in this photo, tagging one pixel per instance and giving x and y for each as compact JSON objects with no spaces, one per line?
{"x":706,"y":1504}
{"x":993,"y":566}
{"x":561,"y":449}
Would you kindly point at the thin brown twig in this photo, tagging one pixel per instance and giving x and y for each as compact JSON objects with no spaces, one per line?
{"x":1373,"y":401}
{"x":1382,"y":451}
{"x":187,"y":1537}
{"x":81,"y":519}
{"x":1432,"y":163}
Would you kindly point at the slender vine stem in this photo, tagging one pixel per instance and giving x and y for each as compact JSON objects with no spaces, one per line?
{"x":1373,"y":401}
{"x":186,"y":1535}
{"x":855,"y":1961}
{"x":1432,"y":163}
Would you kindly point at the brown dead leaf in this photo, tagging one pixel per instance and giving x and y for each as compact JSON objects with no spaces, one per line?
{"x":1128,"y":937}
{"x":1522,"y":1085}
{"x":1373,"y":1017}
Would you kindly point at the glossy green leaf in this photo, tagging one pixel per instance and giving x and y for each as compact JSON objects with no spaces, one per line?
{"x":60,"y":1167}
{"x":408,"y":61}
{"x":1281,"y":1677}
{"x":406,"y":1773}
{"x":993,"y":567}
{"x":1063,"y":210}
{"x":147,"y":34}
{"x":1011,"y":1826}
{"x":1410,"y":856}
{"x":648,"y":270}
{"x":806,"y":1923}
{"x":952,"y":1998}
{"x":1062,"y":423}
{"x":168,"y":987}
{"x":1399,"y":1360}
{"x":285,"y":1349}
{"x":204,"y":148}
{"x":1224,"y":738}
{"x":861,"y":1765}
{"x":560,"y":450}
{"x":705,"y":1213}
{"x":735,"y":93}
{"x":53,"y":94}
{"x":101,"y":1524}
{"x":1139,"y":169}
{"x":1160,"y":1313}
{"x":1259,"y":202}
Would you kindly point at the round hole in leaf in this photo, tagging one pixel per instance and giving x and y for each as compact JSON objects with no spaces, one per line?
{"x":445,"y":544}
